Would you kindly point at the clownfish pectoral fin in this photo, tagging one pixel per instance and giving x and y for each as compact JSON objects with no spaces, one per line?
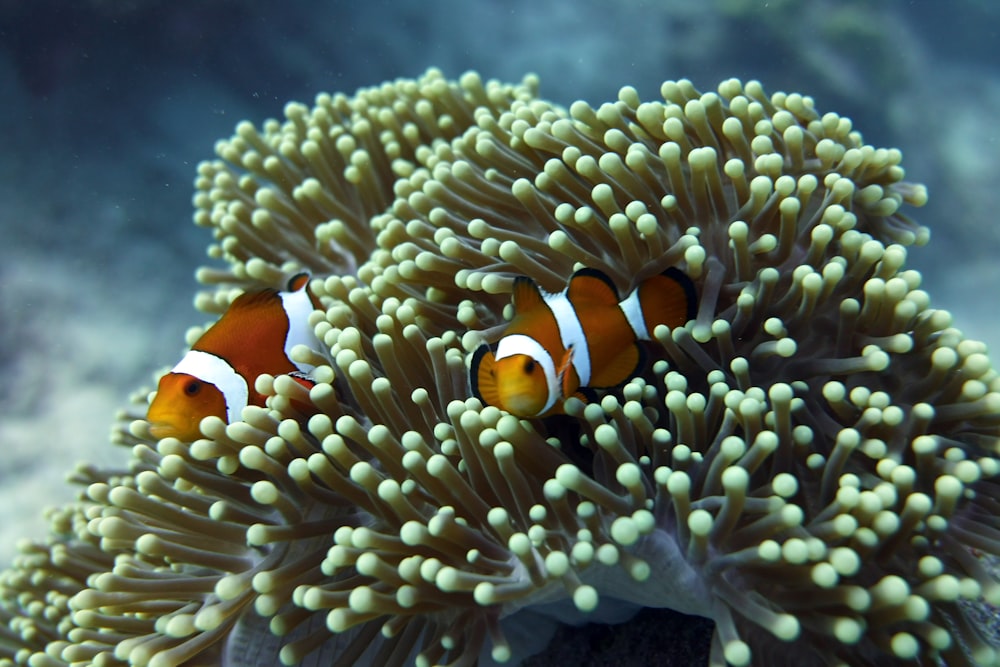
{"x":586,"y":394}
{"x":298,"y":281}
{"x":564,"y":372}
{"x":621,"y":367}
{"x":482,"y":377}
{"x":526,"y":296}
{"x":593,"y":287}
{"x":583,"y":394}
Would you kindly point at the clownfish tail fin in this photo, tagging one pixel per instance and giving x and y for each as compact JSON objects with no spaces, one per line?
{"x":298,"y":281}
{"x":304,"y":379}
{"x":667,"y":298}
{"x":685,"y":284}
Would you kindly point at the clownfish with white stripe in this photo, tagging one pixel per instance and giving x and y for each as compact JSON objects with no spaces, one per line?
{"x":217,"y":376}
{"x":582,"y":337}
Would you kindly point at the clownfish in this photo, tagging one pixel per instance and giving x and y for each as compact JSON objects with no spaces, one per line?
{"x":581,"y":337}
{"x":216,"y":377}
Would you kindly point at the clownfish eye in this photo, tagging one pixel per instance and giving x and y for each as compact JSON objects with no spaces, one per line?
{"x":192,"y":388}
{"x":529,"y":366}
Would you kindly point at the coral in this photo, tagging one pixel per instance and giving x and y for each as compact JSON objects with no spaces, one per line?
{"x":810,"y":462}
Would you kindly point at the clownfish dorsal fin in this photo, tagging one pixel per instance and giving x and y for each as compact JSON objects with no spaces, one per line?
{"x":298,"y":281}
{"x":620,"y":368}
{"x":482,"y":376}
{"x":254,"y":298}
{"x":250,"y":335}
{"x":592,"y":286}
{"x":526,"y":296}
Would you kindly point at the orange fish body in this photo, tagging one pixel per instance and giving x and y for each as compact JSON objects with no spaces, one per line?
{"x":217,"y":376}
{"x":580,"y":337}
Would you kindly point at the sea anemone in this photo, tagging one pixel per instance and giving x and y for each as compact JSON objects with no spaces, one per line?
{"x":811,"y":461}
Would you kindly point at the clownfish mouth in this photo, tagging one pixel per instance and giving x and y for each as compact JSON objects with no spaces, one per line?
{"x":160,"y":430}
{"x":521,"y":404}
{"x":174,"y":426}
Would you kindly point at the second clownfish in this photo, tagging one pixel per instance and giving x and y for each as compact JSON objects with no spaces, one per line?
{"x":580,"y":337}
{"x":216,"y":377}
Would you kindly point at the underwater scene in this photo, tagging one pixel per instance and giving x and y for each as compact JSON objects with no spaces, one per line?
{"x":613,"y":332}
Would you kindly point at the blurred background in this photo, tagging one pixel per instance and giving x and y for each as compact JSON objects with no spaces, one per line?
{"x":107,"y":106}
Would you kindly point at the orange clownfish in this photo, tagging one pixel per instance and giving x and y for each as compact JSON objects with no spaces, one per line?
{"x":580,"y":337}
{"x":216,"y":377}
